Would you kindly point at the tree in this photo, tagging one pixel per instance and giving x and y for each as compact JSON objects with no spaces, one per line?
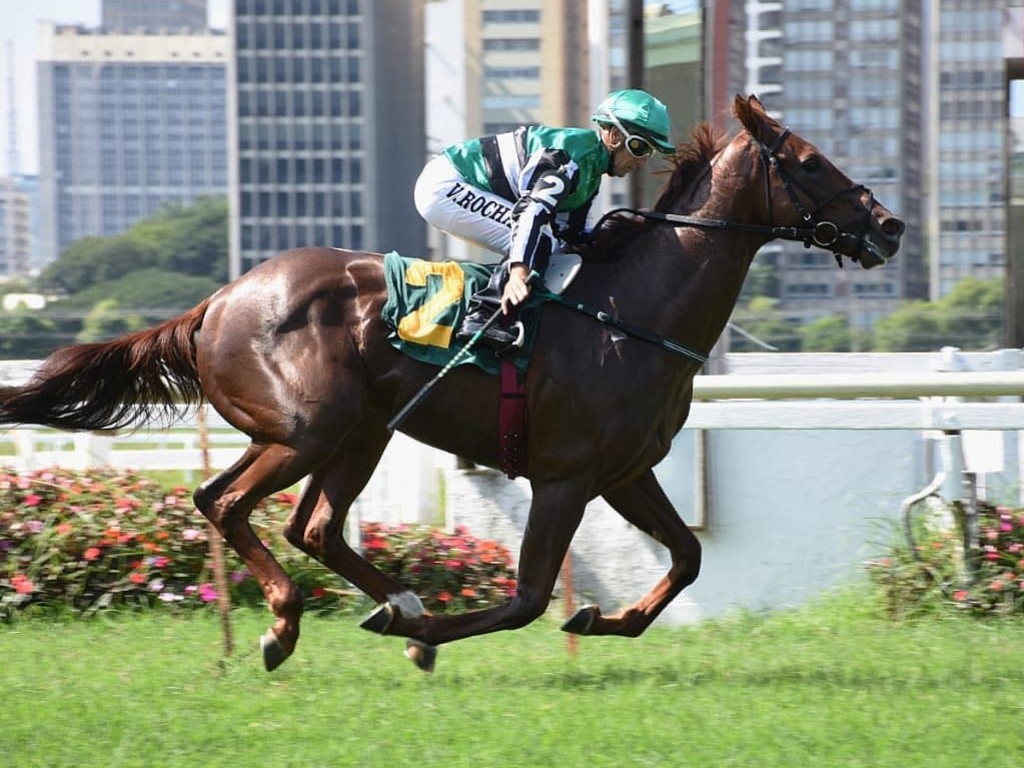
{"x":96,"y":260}
{"x":189,"y":240}
{"x":151,"y":293}
{"x":827,"y":334}
{"x":763,"y":321}
{"x":972,"y":314}
{"x":26,"y":335}
{"x":914,"y":327}
{"x":105,"y":321}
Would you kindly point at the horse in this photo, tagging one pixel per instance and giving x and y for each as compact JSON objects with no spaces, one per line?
{"x":295,"y":355}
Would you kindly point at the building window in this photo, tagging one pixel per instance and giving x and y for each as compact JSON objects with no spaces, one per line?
{"x":512,"y":44}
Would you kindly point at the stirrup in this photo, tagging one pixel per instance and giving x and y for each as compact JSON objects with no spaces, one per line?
{"x":520,"y":332}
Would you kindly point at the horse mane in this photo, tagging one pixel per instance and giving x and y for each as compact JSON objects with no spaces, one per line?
{"x":688,"y":163}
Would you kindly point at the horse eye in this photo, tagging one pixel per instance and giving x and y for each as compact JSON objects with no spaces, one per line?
{"x":812,"y":163}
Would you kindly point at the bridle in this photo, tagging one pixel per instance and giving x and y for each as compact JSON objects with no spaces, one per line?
{"x":820,"y":233}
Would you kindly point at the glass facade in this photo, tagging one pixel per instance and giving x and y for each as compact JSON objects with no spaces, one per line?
{"x":845,"y":74}
{"x":128,"y":125}
{"x":309,"y":122}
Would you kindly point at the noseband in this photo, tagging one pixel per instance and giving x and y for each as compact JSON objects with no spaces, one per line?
{"x":823,"y":234}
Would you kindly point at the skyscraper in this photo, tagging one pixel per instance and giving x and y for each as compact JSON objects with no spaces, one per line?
{"x":127,"y":124}
{"x":967,"y":217}
{"x":327,"y":134}
{"x":131,"y":16}
{"x":846,"y":74}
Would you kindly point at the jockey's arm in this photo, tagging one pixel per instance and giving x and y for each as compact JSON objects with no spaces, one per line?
{"x":534,"y":212}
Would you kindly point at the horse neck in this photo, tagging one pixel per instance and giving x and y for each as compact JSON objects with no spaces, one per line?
{"x":711,"y":264}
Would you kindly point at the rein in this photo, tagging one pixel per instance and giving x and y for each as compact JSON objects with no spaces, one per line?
{"x":822,"y":234}
{"x":664,"y":342}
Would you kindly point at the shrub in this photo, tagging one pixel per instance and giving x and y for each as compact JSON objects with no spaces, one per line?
{"x":937,"y":571}
{"x":451,"y":572}
{"x":101,"y":539}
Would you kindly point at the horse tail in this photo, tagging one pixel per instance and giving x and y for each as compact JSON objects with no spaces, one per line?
{"x":114,"y":384}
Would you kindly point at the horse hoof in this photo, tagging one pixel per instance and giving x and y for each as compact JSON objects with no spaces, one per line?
{"x":380,"y":619}
{"x":274,"y":653}
{"x":581,"y":621}
{"x":424,"y":656}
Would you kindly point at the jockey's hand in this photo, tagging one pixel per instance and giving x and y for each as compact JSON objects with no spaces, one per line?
{"x":517,"y":288}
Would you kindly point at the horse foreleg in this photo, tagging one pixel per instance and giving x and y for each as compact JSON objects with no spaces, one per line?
{"x":644,"y":504}
{"x":227,"y":501}
{"x":555,"y":514}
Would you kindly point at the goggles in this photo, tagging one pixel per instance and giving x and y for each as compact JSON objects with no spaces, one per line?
{"x":636,"y":144}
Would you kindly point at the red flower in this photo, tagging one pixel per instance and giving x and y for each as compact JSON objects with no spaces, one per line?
{"x":444,"y":597}
{"x":137,"y":578}
{"x":468,"y":592}
{"x":319,"y":592}
{"x":92,"y":553}
{"x":21,"y":584}
{"x":32,"y":500}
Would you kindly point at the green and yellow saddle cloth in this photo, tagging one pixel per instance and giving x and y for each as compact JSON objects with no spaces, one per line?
{"x":426,"y":303}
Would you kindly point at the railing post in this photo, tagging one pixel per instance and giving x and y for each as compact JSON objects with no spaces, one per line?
{"x":959,"y":490}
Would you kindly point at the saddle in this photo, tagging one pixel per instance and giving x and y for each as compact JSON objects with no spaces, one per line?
{"x":426,"y":303}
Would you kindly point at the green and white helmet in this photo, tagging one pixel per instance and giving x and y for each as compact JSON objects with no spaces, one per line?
{"x":637,"y":112}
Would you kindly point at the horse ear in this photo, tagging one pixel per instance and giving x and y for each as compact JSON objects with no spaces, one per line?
{"x":753,"y":116}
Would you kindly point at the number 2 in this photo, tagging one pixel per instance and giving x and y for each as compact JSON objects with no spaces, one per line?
{"x":420,"y":326}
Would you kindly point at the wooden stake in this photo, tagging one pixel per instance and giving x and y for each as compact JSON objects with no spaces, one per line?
{"x":220,"y":578}
{"x":572,"y":642}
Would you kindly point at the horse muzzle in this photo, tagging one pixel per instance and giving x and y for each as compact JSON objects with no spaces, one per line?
{"x":879,"y":244}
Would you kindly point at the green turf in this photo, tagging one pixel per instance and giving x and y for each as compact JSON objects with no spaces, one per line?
{"x":829,"y":685}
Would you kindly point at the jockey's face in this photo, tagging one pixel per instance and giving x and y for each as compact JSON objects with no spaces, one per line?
{"x":623,"y":161}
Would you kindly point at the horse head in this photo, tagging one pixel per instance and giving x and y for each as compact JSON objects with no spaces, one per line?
{"x":810,"y":196}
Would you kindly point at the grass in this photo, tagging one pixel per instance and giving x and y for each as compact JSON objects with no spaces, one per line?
{"x":829,"y":685}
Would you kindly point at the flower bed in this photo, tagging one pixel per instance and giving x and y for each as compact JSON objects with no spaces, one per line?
{"x":939,"y":572}
{"x":100,"y":539}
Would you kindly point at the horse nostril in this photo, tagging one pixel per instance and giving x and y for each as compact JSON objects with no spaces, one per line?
{"x":893,"y":227}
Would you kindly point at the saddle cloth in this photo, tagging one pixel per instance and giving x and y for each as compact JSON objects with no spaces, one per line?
{"x":426,"y":303}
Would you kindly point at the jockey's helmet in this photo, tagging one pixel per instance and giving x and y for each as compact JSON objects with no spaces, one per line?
{"x":638,"y":112}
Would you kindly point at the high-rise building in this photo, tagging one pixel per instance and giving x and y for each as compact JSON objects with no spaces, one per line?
{"x":846,"y":74}
{"x":132,"y":16}
{"x":327,"y":126}
{"x":967,"y":214}
{"x":128,"y":123}
{"x":19,"y":221}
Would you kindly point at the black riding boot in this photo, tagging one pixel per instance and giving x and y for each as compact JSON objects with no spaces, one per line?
{"x":482,"y":305}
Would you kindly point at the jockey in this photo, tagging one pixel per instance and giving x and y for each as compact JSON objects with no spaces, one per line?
{"x":521,"y":193}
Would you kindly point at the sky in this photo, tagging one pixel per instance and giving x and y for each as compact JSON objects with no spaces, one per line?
{"x":20,"y":18}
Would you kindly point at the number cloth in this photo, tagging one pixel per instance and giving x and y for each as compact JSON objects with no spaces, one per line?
{"x":426,"y":304}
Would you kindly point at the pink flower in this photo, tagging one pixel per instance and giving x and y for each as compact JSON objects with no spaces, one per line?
{"x":960,"y":595}
{"x":207,"y":593}
{"x":91,"y":553}
{"x":190,"y":534}
{"x":32,"y":500}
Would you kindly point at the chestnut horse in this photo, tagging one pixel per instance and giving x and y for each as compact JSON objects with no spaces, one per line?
{"x":295,"y":355}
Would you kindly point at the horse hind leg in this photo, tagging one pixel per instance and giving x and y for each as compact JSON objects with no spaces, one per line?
{"x":227,"y":501}
{"x":645,"y":505}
